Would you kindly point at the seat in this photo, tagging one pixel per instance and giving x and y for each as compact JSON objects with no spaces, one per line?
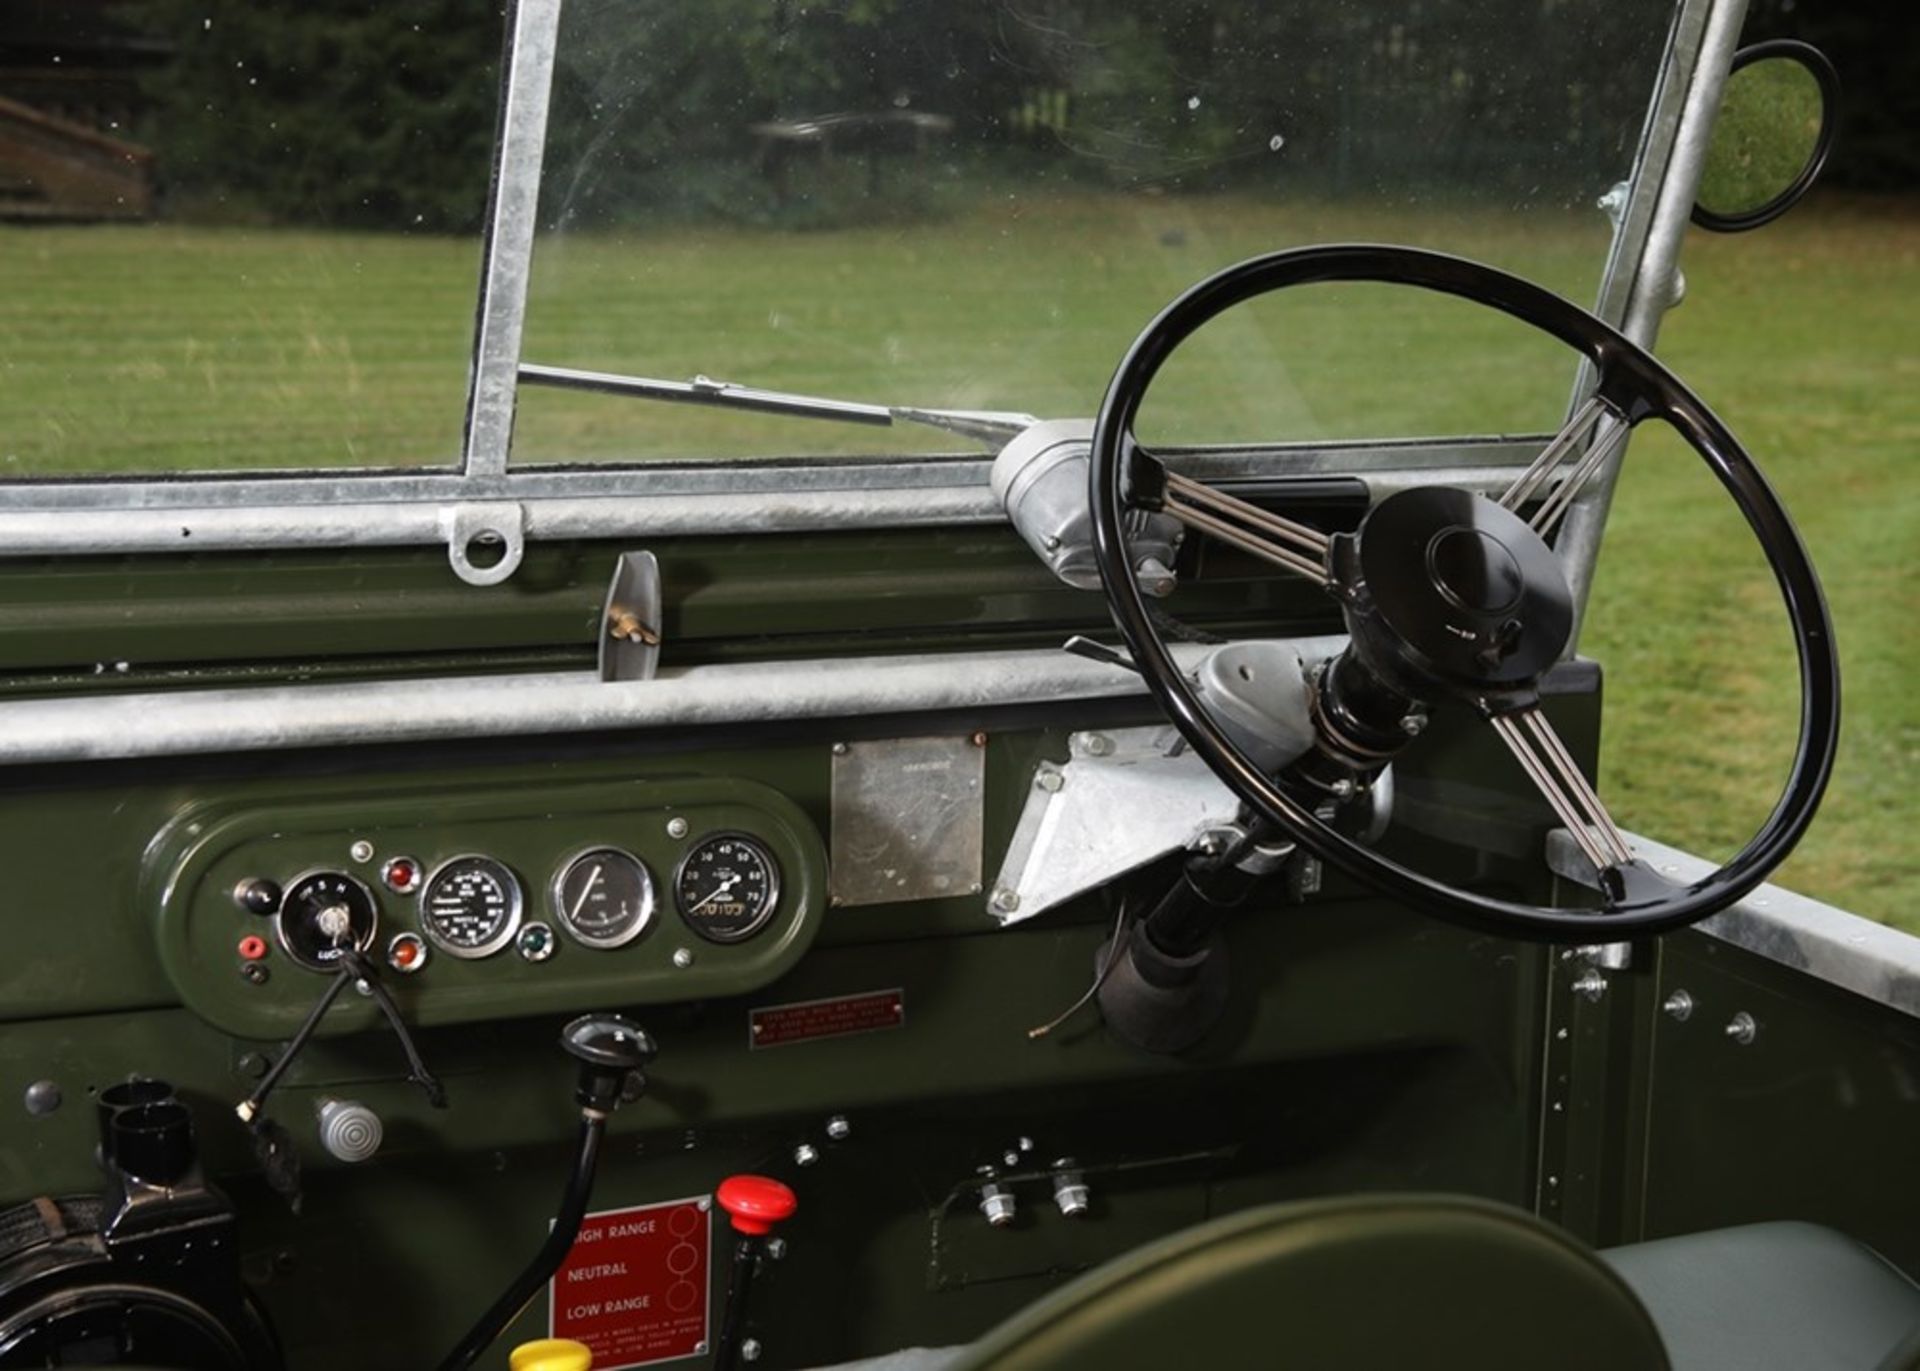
{"x":1443,"y":1281}
{"x":1789,"y":1295}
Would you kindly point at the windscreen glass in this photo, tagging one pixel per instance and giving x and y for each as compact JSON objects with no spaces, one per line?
{"x":239,"y":236}
{"x":917,"y":203}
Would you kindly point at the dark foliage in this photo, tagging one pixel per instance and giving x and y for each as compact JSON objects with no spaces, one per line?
{"x":339,"y":112}
{"x":1875,"y":44}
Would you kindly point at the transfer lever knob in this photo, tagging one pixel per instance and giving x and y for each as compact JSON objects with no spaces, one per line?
{"x":755,"y":1204}
{"x":610,"y":1048}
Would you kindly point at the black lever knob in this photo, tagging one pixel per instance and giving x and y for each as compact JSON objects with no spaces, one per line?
{"x":612,"y":1050}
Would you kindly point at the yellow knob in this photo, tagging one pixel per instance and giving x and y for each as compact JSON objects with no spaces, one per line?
{"x":551,"y":1354}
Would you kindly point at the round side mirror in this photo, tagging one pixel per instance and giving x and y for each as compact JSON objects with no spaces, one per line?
{"x":1775,"y":128}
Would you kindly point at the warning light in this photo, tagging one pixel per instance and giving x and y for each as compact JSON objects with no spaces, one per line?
{"x":406,"y":953}
{"x":401,"y":875}
{"x":253,"y":947}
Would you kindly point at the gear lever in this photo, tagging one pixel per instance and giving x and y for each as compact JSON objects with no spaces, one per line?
{"x":613,"y":1052}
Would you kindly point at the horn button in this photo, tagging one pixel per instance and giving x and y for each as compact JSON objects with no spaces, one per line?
{"x":1454,"y":590}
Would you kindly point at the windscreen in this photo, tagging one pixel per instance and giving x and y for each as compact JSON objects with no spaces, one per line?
{"x":913,"y":202}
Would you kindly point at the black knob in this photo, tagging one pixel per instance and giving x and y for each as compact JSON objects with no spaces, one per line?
{"x":612,"y":1050}
{"x":257,"y":896}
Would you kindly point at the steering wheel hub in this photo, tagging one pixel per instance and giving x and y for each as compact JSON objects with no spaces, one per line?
{"x":1474,"y":570}
{"x":1450,"y":591}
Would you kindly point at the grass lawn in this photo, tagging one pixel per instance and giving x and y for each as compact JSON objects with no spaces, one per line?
{"x":161,"y":347}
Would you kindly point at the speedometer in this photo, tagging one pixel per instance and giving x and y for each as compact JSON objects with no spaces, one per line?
{"x":470,"y":906}
{"x":727,"y":887}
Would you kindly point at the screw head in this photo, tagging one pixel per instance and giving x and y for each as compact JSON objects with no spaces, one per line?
{"x":1679,"y":1006}
{"x":1005,"y":901}
{"x":254,"y":973}
{"x":806,"y":1154}
{"x":980,"y":738}
{"x":361,"y":851}
{"x":839,"y":749}
{"x":750,"y":1349}
{"x":42,"y":1098}
{"x":1590,"y":985}
{"x":838,"y":1128}
{"x":1742,"y":1028}
{"x":683,"y":957}
{"x":776,"y":1249}
{"x":1413,"y":725}
{"x":676,"y":827}
{"x":1050,"y":781}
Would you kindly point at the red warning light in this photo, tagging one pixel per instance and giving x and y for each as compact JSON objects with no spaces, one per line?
{"x":253,"y":947}
{"x":402,"y":875}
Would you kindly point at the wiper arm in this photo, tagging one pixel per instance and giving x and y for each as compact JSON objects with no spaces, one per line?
{"x":990,"y":427}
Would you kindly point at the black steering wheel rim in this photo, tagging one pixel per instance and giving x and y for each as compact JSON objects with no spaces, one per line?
{"x":1642,"y":387}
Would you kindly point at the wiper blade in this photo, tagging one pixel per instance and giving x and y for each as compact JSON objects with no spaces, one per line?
{"x":991,"y":427}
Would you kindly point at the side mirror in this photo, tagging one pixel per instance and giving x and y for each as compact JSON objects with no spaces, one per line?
{"x":1771,"y":139}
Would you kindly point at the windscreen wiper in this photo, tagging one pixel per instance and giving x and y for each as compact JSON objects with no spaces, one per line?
{"x":990,"y":427}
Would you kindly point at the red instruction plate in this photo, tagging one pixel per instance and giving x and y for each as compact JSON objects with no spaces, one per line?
{"x":872,"y":1012}
{"x":634,"y":1287}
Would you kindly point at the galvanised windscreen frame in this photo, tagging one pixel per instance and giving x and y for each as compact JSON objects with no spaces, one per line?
{"x":486,"y":502}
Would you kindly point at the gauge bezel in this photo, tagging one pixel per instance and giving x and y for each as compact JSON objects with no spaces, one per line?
{"x":516,"y":909}
{"x":280,"y":920}
{"x":766,"y":914}
{"x":648,"y":918}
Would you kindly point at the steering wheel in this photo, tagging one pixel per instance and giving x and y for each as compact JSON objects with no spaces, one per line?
{"x":1451,"y":595}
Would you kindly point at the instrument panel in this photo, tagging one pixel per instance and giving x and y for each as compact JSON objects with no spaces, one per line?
{"x":524,"y":901}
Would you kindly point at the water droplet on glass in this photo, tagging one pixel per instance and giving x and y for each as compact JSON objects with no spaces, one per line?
{"x":1275,"y":143}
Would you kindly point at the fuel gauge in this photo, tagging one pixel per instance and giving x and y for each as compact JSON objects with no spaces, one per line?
{"x":604,"y":898}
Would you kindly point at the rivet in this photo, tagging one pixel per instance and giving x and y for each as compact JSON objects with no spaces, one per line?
{"x":683,"y":957}
{"x":676,"y":827}
{"x":839,"y":749}
{"x":361,"y":851}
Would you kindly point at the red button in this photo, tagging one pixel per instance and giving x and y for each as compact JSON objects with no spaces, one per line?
{"x":755,"y":1203}
{"x":253,"y":947}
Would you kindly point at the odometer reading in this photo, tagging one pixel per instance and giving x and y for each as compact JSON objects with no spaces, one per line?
{"x":728,"y":887}
{"x":604,"y":898}
{"x":470,"y":907}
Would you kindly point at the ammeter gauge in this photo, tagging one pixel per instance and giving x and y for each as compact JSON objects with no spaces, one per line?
{"x":728,"y":887}
{"x":604,"y":898}
{"x":470,"y":906}
{"x":323,"y":914}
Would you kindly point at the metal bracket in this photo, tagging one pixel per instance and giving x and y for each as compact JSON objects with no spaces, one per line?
{"x":474,"y":531}
{"x":1125,"y":797}
{"x":630,"y":622}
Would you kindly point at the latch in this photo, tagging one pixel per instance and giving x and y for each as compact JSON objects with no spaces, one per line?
{"x":630,"y":623}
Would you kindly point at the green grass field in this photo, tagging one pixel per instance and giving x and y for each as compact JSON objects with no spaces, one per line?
{"x":165,"y":347}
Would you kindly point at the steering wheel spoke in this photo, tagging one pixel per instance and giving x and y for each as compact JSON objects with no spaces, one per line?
{"x":1273,"y":538}
{"x":1530,"y":736}
{"x":1602,"y":426}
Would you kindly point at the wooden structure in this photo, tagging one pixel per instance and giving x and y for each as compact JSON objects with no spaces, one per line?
{"x":53,"y":167}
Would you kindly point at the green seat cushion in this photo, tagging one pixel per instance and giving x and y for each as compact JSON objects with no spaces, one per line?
{"x":1793,"y":1296}
{"x":1400,"y":1281}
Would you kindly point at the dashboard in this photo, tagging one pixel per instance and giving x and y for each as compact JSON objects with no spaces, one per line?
{"x":532,"y":900}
